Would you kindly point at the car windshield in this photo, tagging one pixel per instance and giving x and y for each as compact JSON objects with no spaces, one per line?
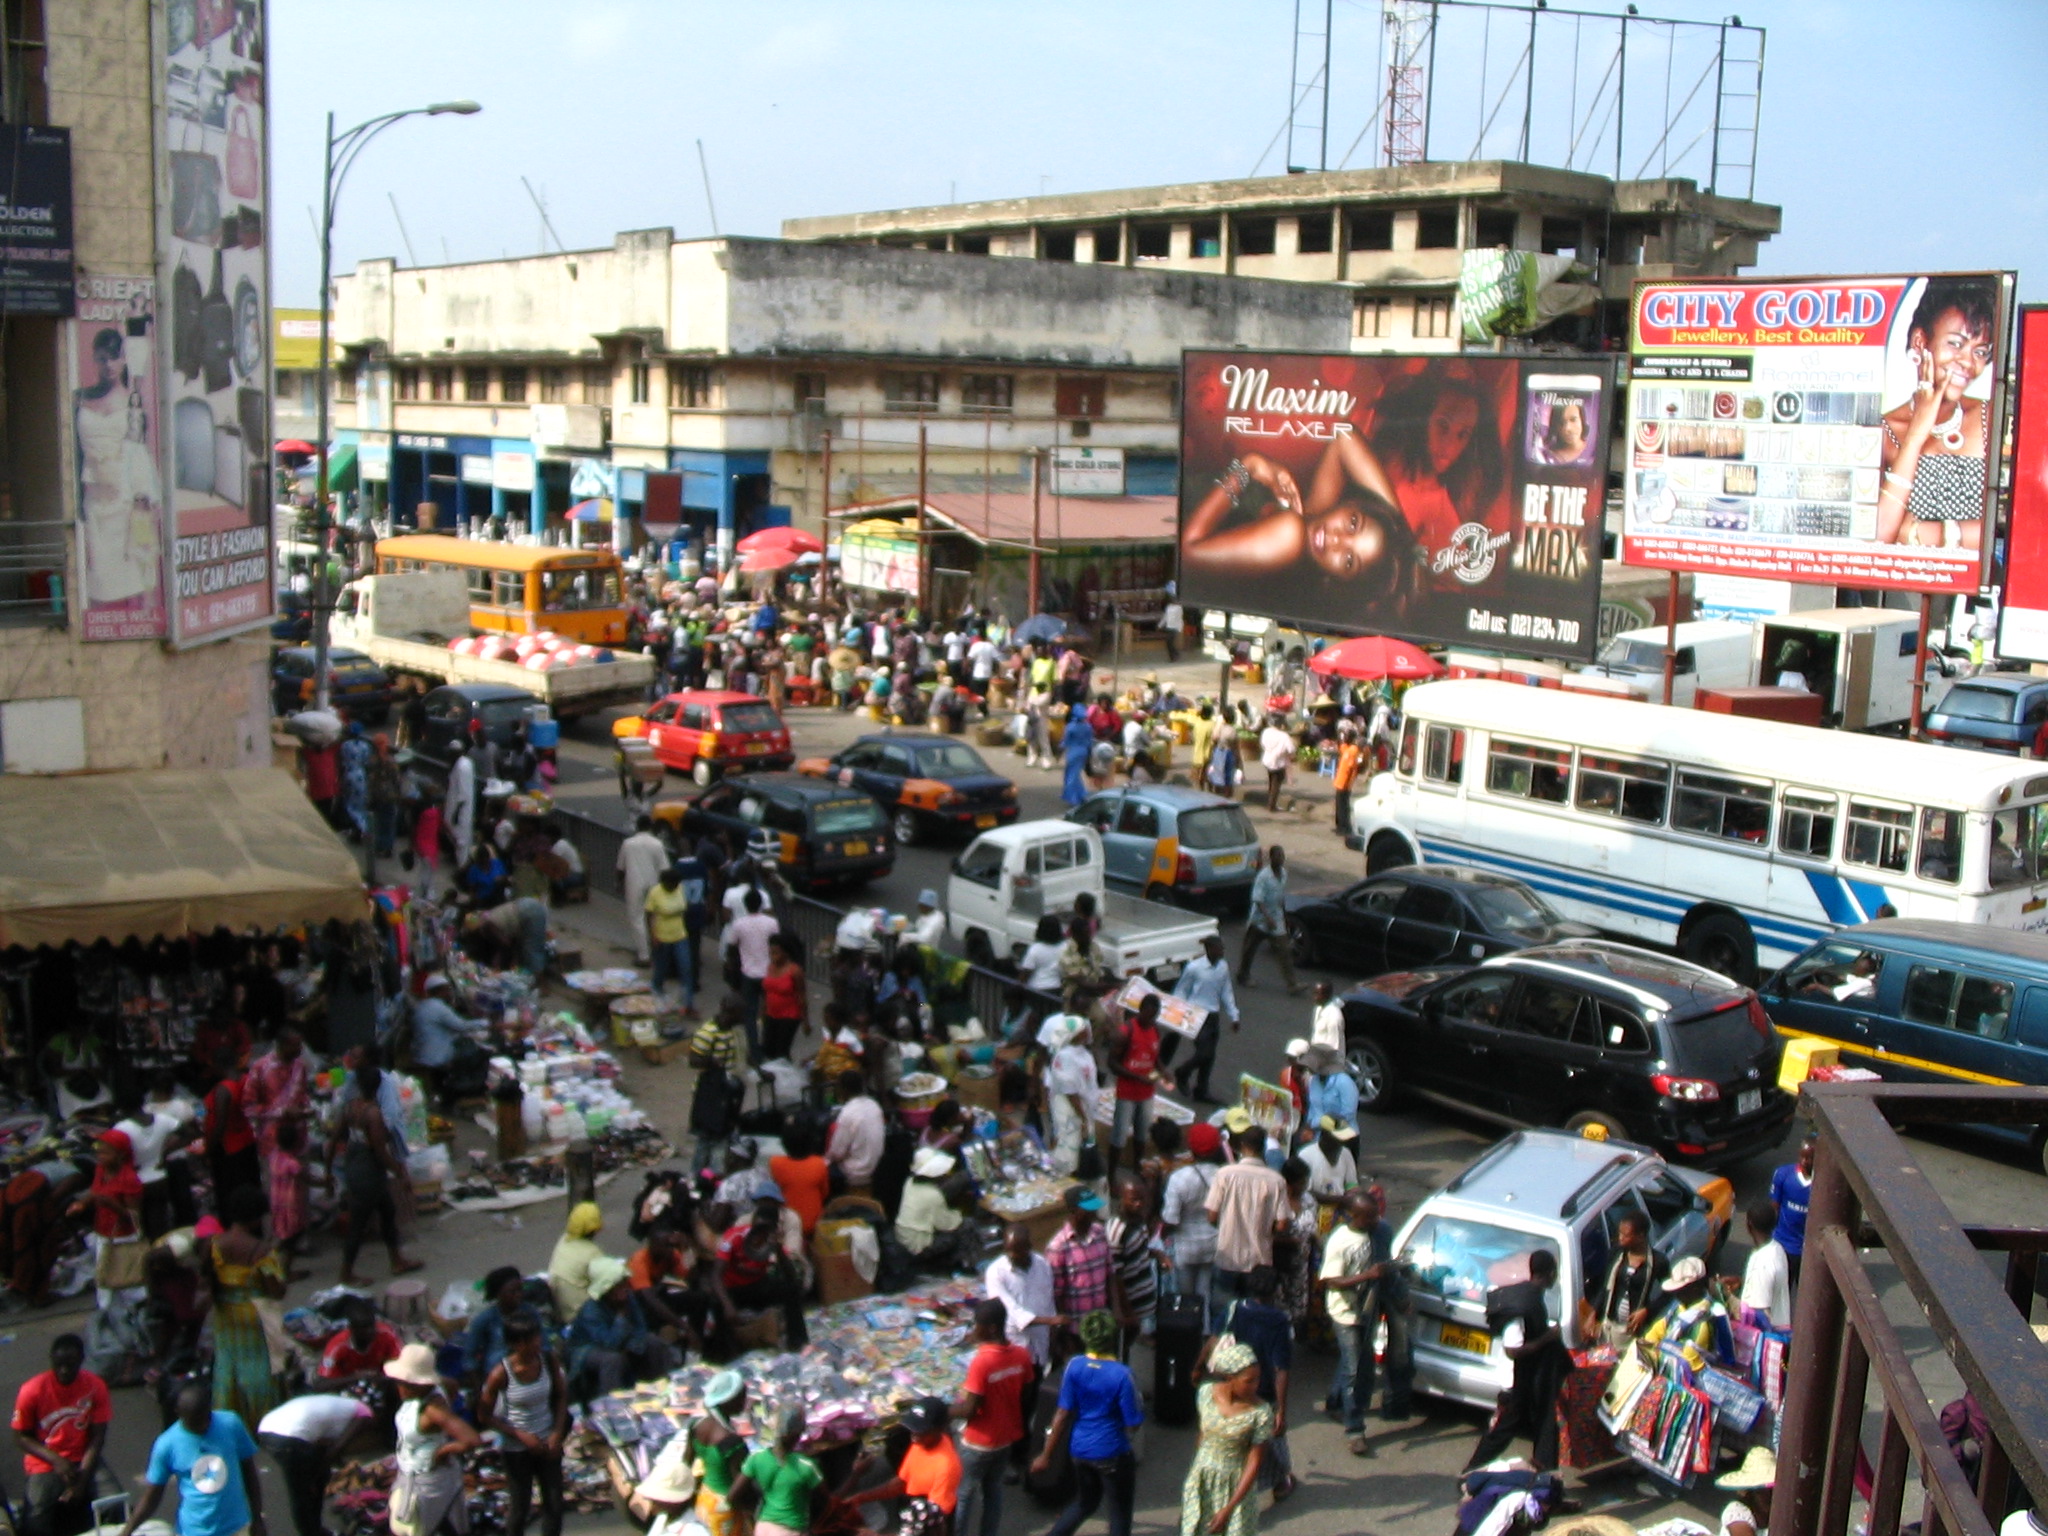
{"x":835,"y":817}
{"x":1511,"y":908}
{"x":1965,"y":702}
{"x":1460,"y":1259}
{"x":1633,"y":655}
{"x":951,"y":761}
{"x":1218,"y":826}
{"x":502,"y":713}
{"x":748,"y":718}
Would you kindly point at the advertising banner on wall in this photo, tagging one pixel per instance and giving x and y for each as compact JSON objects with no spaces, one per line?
{"x":1444,"y":499}
{"x":2023,"y":618}
{"x":213,"y":222}
{"x":1822,"y":430}
{"x":35,"y":220}
{"x":117,"y":443}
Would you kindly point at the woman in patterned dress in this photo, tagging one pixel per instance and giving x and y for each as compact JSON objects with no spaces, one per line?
{"x":1218,"y":1497}
{"x":246,"y":1267}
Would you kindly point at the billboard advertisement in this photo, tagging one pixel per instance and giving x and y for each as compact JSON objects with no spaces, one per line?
{"x":213,"y":225}
{"x":117,"y":446}
{"x":1822,"y":430}
{"x":1454,"y":500}
{"x":2023,"y":618}
{"x":35,"y":220}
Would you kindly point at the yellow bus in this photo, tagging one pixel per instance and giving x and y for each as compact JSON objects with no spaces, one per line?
{"x":522,"y":589}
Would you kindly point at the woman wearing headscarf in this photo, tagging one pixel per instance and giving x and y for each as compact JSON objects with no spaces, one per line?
{"x":432,"y":1439}
{"x":611,"y":1344}
{"x":569,"y":1268}
{"x":1217,"y":1499}
{"x":115,"y":1201}
{"x":1099,"y":1403}
{"x":1078,"y":743}
{"x":721,"y":1452}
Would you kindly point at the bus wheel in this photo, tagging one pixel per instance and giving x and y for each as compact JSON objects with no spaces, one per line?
{"x":704,"y":771}
{"x":1611,"y":1128}
{"x":1386,"y":852}
{"x":1721,"y":942}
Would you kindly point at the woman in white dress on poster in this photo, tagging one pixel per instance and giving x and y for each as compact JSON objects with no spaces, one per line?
{"x":117,"y":480}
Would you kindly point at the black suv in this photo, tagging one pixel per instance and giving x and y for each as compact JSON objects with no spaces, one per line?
{"x":1652,"y":1049}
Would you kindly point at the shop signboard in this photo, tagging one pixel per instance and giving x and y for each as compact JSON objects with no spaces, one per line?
{"x":117,"y":438}
{"x":36,"y":269}
{"x":213,"y":214}
{"x":1088,"y":471}
{"x":297,"y":343}
{"x":1820,"y":430}
{"x":2023,"y":618}
{"x":1445,"y":499}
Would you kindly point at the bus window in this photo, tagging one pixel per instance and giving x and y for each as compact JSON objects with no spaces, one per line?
{"x":1806,"y":825}
{"x":479,"y":584}
{"x":1406,"y":766}
{"x":2016,"y":837}
{"x":566,"y":591}
{"x":1941,"y":846}
{"x":1624,"y":787}
{"x":1443,"y":756}
{"x":508,"y":589}
{"x":1879,"y":836}
{"x":1529,"y":773}
{"x":1716,"y":807}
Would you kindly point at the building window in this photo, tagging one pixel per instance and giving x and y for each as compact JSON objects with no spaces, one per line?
{"x":1369,"y":229}
{"x":476,"y":384}
{"x":971,"y":245}
{"x":1154,"y":241}
{"x":1436,"y":229}
{"x":440,"y":383}
{"x":1433,"y":318}
{"x":1080,"y":398}
{"x":987,"y":392}
{"x":1372,"y":316}
{"x":690,"y":386}
{"x":1109,"y":244}
{"x":640,"y":383}
{"x":512,"y":385}
{"x":1561,"y":237}
{"x":1205,"y":238}
{"x":407,"y":386}
{"x":1257,"y":236}
{"x":345,"y":382}
{"x":554,"y":386}
{"x":810,"y":391}
{"x":1059,"y":245}
{"x":597,"y":384}
{"x":910,"y":392}
{"x":1495,"y":227}
{"x":1312,"y":233}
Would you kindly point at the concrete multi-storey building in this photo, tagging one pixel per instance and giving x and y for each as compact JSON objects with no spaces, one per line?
{"x":118,"y":646}
{"x":698,"y":381}
{"x":1394,"y":236}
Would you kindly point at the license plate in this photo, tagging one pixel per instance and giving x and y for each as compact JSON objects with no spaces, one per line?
{"x":984,"y":821}
{"x":757,"y":746}
{"x":1749,"y":1101}
{"x":1475,"y":1341}
{"x":853,"y":850}
{"x":1227,"y":860}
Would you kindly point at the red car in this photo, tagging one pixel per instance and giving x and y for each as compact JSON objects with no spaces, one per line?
{"x":705,"y":733}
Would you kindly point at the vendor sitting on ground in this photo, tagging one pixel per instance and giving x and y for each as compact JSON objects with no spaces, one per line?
{"x":663,"y":1273}
{"x":611,"y":1342}
{"x":504,"y":1299}
{"x":436,"y":1028}
{"x":354,"y":1359}
{"x":751,"y":1271}
{"x":569,"y":1267}
{"x":563,"y":865}
{"x":927,"y":1224}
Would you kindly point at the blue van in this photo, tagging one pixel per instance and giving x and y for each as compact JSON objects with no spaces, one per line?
{"x":1170,"y":843}
{"x":1925,"y":1002}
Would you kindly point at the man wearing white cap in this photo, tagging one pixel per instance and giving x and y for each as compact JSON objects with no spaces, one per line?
{"x":926,"y":1221}
{"x":929,"y":926}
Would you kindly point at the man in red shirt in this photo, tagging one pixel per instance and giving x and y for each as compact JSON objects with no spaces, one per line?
{"x":354,"y":1358}
{"x":750,"y":1270}
{"x":992,"y":1403}
{"x":60,"y":1423}
{"x":1134,"y":1060}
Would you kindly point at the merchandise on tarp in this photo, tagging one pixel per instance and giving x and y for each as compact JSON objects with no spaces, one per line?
{"x":166,"y":854}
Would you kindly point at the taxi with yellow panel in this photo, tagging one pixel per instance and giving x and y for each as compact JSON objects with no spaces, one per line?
{"x":821,"y":833}
{"x":706,"y":732}
{"x":1171,"y":843}
{"x":927,"y":783}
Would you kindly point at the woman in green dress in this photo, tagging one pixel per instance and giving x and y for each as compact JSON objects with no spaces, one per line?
{"x":1219,"y":1498}
{"x":246,"y":1267}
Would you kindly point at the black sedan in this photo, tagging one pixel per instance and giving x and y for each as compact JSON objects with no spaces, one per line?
{"x":354,"y":682}
{"x":1426,"y":914}
{"x":926,"y":783}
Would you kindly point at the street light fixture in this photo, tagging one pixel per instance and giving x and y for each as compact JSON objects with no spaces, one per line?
{"x":342,"y":152}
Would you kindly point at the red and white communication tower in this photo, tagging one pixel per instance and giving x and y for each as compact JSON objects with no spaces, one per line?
{"x":1410,"y":25}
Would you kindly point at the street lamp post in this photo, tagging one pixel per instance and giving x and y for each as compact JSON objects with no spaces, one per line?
{"x":342,"y":151}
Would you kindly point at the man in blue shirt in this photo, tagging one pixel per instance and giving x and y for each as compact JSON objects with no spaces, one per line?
{"x":1331,"y":1090}
{"x":1268,"y":922}
{"x":435,"y":1026}
{"x":214,"y":1461}
{"x":1206,"y":984}
{"x":1792,"y":1188}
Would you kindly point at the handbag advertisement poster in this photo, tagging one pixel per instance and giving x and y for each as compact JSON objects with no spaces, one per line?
{"x":215,"y":290}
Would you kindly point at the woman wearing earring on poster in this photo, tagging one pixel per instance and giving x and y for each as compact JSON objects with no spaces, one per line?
{"x":1933,"y":452}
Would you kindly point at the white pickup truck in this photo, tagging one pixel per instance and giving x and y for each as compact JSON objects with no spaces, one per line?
{"x":1009,"y":878}
{"x":405,"y":620}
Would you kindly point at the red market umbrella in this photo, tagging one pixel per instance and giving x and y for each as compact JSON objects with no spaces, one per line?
{"x":1374,"y":656}
{"x":785,"y":537}
{"x":769,"y":559}
{"x":292,"y":445}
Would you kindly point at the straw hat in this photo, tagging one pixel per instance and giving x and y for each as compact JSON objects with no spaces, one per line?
{"x":931,"y":1163}
{"x":414,"y":1366}
{"x":669,"y":1480}
{"x":1591,"y":1525}
{"x":1690,"y":1270}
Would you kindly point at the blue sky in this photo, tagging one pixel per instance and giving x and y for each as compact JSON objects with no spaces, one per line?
{"x":1896,"y":136}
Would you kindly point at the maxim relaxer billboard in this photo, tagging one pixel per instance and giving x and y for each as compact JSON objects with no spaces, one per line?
{"x":1831,"y":430}
{"x":1441,"y":499}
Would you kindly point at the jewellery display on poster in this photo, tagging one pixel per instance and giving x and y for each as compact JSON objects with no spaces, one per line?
{"x":1451,"y":499}
{"x":36,"y":266}
{"x":217,"y":364}
{"x":118,"y":457}
{"x":1822,"y":430}
{"x":2023,"y":617}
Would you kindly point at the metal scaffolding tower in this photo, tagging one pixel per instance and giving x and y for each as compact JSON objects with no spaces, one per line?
{"x":1308,"y":90}
{"x":1411,"y":49}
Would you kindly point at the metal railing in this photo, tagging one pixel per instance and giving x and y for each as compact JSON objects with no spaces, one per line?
{"x":1869,"y":1194}
{"x":33,"y":573}
{"x":598,"y":845}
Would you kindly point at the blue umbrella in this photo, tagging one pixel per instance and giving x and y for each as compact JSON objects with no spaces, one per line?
{"x":1043,"y":626}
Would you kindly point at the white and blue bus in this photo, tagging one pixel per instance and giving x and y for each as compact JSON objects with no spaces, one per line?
{"x":1737,"y":842}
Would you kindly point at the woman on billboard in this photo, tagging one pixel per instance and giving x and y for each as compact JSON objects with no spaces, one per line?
{"x":1377,"y":506}
{"x":1933,"y":450}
